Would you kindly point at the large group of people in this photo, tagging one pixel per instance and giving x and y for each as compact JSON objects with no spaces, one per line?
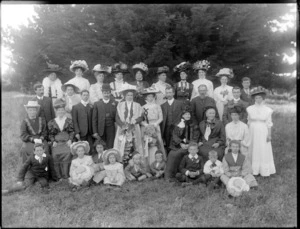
{"x":131,"y":131}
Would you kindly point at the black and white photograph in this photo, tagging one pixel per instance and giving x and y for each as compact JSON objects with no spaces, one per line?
{"x":149,"y":115}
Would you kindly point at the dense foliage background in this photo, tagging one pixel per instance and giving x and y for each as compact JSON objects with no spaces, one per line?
{"x":228,"y":35}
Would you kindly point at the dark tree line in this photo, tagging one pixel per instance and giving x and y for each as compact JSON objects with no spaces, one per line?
{"x":228,"y":35}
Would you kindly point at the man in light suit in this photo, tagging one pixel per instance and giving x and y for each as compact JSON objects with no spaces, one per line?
{"x":171,"y":110}
{"x":104,"y":117}
{"x":82,"y":119}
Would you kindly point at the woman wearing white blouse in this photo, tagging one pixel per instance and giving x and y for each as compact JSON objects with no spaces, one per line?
{"x":161,"y":84}
{"x":223,"y":93}
{"x":79,"y":67}
{"x":260,"y":124}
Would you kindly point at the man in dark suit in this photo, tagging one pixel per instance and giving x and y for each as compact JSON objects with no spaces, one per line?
{"x":46,"y":110}
{"x":245,"y":92}
{"x":82,"y":119}
{"x":199,"y":103}
{"x":171,"y":110}
{"x":104,"y":117}
{"x":236,"y":92}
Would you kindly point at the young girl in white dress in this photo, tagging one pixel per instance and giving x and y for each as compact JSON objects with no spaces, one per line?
{"x":223,"y":93}
{"x":260,"y":124}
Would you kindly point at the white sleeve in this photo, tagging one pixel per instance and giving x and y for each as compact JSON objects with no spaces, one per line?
{"x":269,"y":118}
{"x":206,"y":168}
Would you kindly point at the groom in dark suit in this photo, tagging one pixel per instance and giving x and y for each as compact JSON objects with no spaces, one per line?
{"x":103,"y":117}
{"x":245,"y":92}
{"x":82,"y":119}
{"x":171,"y":110}
{"x":46,"y":110}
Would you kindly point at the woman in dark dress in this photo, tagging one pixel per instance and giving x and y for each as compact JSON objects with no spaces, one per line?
{"x":184,"y":132}
{"x":212,"y":135}
{"x":61,"y":134}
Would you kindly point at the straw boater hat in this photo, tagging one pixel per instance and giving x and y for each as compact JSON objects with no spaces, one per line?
{"x":32,"y":104}
{"x":225,"y":72}
{"x":84,"y":144}
{"x":182,"y":67}
{"x":106,"y":87}
{"x":119,"y":67}
{"x":236,"y":185}
{"x":59,"y":103}
{"x":109,"y":152}
{"x":149,"y":90}
{"x":64,"y":87}
{"x":201,"y":65}
{"x":102,"y":68}
{"x":140,"y":67}
{"x":163,"y":69}
{"x":126,"y":88}
{"x":52,"y":68}
{"x":79,"y":64}
{"x":258,"y":91}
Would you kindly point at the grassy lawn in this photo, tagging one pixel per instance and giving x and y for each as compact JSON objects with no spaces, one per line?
{"x":152,"y":203}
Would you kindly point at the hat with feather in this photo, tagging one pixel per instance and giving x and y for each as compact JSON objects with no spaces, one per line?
{"x":201,"y":65}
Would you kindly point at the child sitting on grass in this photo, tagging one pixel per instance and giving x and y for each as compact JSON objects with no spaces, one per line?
{"x":158,"y":166}
{"x":136,"y":170}
{"x":35,"y":168}
{"x":236,"y":164}
{"x":213,"y":170}
{"x":113,"y":173}
{"x":191,"y":167}
{"x":98,"y":159}
{"x":82,"y":168}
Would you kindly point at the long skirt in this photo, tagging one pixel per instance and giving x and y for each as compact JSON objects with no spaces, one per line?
{"x":173,"y":162}
{"x":62,"y":158}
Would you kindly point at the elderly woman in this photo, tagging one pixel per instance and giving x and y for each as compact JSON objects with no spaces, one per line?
{"x":71,"y":97}
{"x":212,"y":134}
{"x":260,"y":124}
{"x":52,"y":84}
{"x":61,"y":134}
{"x":161,"y":84}
{"x":150,"y":125}
{"x":140,"y":70}
{"x":118,"y":70}
{"x":183,"y":89}
{"x":33,"y":128}
{"x":128,"y":118}
{"x":184,"y":132}
{"x":201,"y":67}
{"x":79,"y":67}
{"x":223,"y":93}
{"x":100,"y":72}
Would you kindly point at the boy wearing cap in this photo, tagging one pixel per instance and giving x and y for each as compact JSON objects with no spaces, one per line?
{"x":104,"y":117}
{"x":245,"y":92}
{"x":46,"y":110}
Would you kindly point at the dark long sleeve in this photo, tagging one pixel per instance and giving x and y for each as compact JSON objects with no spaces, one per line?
{"x":225,"y":115}
{"x":51,"y":168}
{"x":44,"y":132}
{"x":25,"y":136}
{"x":95,"y":119}
{"x":182,"y":166}
{"x":52,"y":110}
{"x":222,"y":136}
{"x":75,"y":120}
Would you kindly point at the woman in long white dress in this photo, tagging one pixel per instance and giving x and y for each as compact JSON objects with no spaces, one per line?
{"x":100,"y":72}
{"x":237,"y":130}
{"x":161,"y":84}
{"x":223,"y":93}
{"x":79,"y":67}
{"x":201,"y":67}
{"x":260,"y":124}
{"x":150,"y":126}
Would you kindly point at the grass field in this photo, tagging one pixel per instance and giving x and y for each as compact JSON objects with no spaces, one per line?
{"x":152,"y":203}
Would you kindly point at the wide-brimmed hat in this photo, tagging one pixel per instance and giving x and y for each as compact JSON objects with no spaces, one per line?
{"x":149,"y":90}
{"x":236,"y":185}
{"x":102,"y":68}
{"x":108,"y":152}
{"x":140,"y":66}
{"x":52,"y":68}
{"x":75,"y":145}
{"x":64,"y":87}
{"x":59,"y":103}
{"x":79,"y":64}
{"x":187,"y":109}
{"x":258,"y":90}
{"x":119,"y":67}
{"x":32,"y":104}
{"x":126,"y":88}
{"x":163,"y":69}
{"x":182,"y":67}
{"x":201,"y":65}
{"x":225,"y":72}
{"x":106,"y":87}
